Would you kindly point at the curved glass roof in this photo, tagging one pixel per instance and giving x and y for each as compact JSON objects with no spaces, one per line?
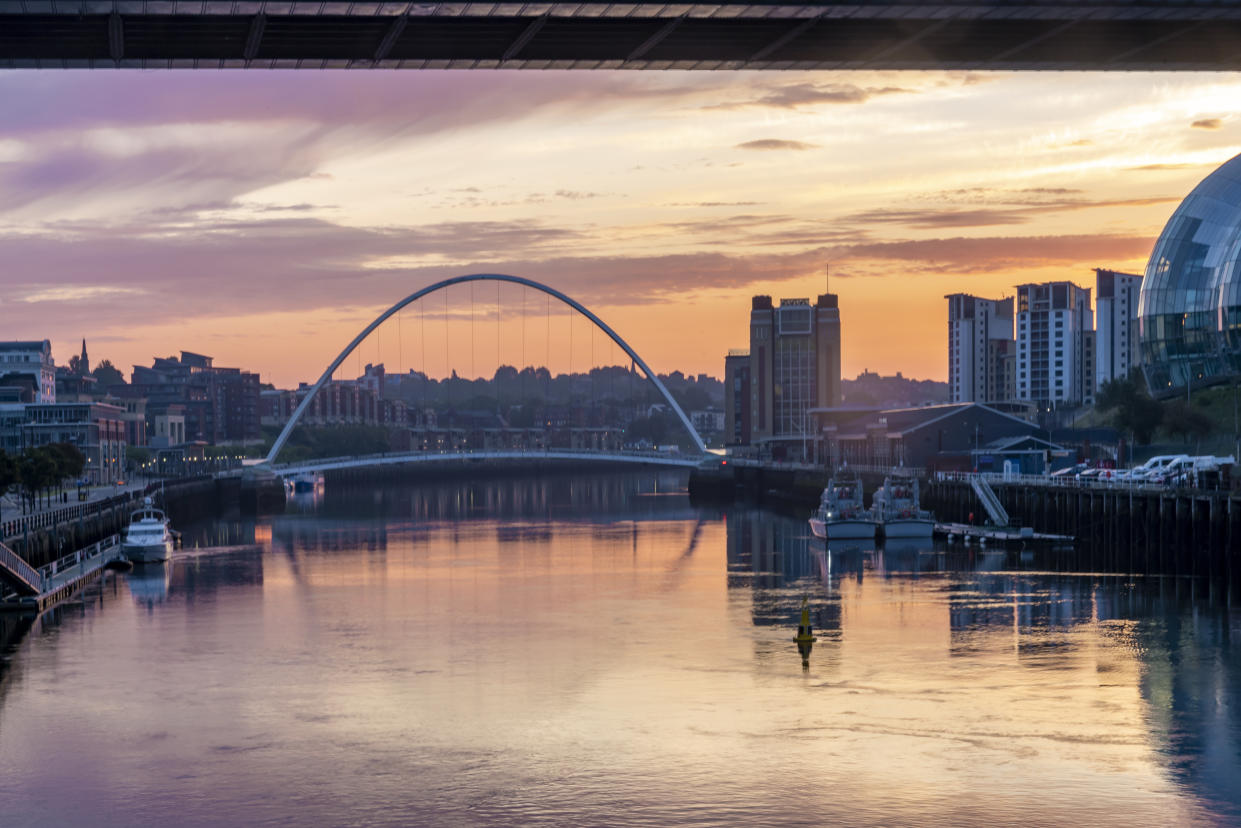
{"x":1190,"y":306}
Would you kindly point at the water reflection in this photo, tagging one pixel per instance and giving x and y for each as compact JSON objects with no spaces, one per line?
{"x":148,"y":583}
{"x":1174,"y":640}
{"x":596,"y":651}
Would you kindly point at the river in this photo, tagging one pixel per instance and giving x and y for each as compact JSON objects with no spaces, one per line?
{"x":596,"y":650}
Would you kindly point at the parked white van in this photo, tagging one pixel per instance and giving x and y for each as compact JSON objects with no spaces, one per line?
{"x":1153,"y":468}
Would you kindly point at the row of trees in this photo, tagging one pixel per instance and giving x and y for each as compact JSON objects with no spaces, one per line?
{"x":37,"y":471}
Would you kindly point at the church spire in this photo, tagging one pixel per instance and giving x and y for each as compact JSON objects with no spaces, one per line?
{"x":84,"y":365}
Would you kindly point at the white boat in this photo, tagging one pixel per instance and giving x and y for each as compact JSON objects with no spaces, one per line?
{"x":895,"y":507}
{"x":147,"y":538}
{"x":840,"y":514}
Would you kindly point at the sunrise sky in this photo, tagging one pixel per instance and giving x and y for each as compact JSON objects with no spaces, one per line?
{"x":265,"y":217}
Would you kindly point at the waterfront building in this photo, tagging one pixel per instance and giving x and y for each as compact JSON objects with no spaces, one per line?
{"x":28,"y":364}
{"x":339,"y":402}
{"x":1055,"y":345}
{"x":1189,"y":310}
{"x":981,"y":349}
{"x":74,"y":387}
{"x":134,"y":417}
{"x":737,"y":397}
{"x":794,"y":367}
{"x":708,"y":422}
{"x":953,"y":436}
{"x":1116,"y":324}
{"x":168,"y":427}
{"x":96,"y":429}
{"x":220,"y":404}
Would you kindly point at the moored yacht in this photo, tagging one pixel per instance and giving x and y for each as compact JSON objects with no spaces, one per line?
{"x":895,"y":507}
{"x":840,"y":513}
{"x":147,"y":538}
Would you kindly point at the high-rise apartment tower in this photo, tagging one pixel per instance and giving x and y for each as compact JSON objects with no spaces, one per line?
{"x":1116,"y":324}
{"x":794,"y":366}
{"x":1055,"y":344}
{"x":980,"y":349}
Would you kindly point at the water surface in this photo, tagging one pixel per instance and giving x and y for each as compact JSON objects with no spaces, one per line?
{"x":597,"y":651}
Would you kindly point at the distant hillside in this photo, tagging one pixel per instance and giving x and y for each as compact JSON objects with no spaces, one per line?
{"x":892,"y":392}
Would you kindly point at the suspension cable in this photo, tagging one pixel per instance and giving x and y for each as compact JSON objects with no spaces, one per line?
{"x":547,"y":364}
{"x":472,"y":371}
{"x":447,"y":374}
{"x":523,"y":345}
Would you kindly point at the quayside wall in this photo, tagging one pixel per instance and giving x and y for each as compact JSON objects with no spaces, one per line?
{"x":425,"y":471}
{"x":1179,"y":531}
{"x":45,"y":537}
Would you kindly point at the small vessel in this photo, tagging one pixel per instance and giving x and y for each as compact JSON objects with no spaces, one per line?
{"x":304,"y":482}
{"x":840,"y":513}
{"x":147,"y":538}
{"x":895,"y":507}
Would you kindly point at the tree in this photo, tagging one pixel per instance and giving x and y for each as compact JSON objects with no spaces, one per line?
{"x":75,"y":364}
{"x":1187,"y":421}
{"x":1134,"y":410}
{"x":8,"y":473}
{"x":38,"y":471}
{"x":108,"y":374}
{"x":137,"y":457}
{"x":68,"y":460}
{"x":654,"y":429}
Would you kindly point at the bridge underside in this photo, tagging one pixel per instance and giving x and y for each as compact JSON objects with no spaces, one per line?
{"x":858,"y":34}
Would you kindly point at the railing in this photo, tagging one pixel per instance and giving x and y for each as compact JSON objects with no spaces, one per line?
{"x":78,"y":557}
{"x":1065,"y":482}
{"x":18,"y":568}
{"x":499,"y":453}
{"x":66,"y":514}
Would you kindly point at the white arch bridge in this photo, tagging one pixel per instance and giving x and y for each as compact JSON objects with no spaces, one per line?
{"x":656,"y":458}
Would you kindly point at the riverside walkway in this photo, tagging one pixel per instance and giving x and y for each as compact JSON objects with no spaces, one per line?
{"x":98,"y":497}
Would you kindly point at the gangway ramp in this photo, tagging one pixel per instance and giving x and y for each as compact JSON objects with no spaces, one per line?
{"x":990,"y":502}
{"x":21,"y":576}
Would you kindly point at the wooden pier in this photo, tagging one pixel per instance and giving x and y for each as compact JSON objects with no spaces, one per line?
{"x":999,"y":535}
{"x":28,"y":590}
{"x":1147,"y":528}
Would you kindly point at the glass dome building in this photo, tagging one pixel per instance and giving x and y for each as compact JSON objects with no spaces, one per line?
{"x":1189,"y":311}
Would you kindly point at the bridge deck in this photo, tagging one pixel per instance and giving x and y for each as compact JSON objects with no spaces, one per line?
{"x":829,"y":34}
{"x":397,"y":458}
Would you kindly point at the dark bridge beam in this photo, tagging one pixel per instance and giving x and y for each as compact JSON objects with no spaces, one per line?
{"x":763,"y":34}
{"x":254,"y":37}
{"x":394,"y":32}
{"x":116,"y":36}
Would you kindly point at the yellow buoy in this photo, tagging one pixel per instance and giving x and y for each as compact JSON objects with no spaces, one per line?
{"x":805,"y":636}
{"x":804,"y":631}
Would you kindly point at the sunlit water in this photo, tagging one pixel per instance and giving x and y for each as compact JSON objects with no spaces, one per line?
{"x":596,"y":651}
